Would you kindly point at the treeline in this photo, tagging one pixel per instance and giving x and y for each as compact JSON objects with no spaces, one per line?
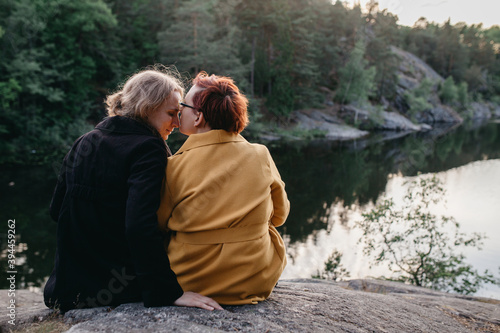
{"x":59,"y":58}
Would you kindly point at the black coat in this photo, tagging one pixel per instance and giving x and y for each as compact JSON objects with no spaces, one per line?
{"x":109,"y":248}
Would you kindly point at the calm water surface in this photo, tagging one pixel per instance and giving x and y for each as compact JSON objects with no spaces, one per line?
{"x":329,"y":186}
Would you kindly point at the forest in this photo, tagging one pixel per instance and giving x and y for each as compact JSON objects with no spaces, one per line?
{"x":59,"y":58}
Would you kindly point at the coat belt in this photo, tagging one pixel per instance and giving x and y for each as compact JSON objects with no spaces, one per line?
{"x":228,"y":235}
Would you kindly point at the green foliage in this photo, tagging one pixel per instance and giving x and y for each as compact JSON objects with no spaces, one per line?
{"x":467,"y":53}
{"x":201,"y":36}
{"x":476,"y":79}
{"x":59,"y":58}
{"x":51,"y":52}
{"x":417,"y":98}
{"x":493,"y":33}
{"x":419,"y":246}
{"x":463,"y":94}
{"x":305,"y":56}
{"x":134,"y":39}
{"x":356,"y":80}
{"x":305,"y":134}
{"x":448,"y":91}
{"x":333,"y":270}
{"x":281,"y":94}
{"x":378,"y":51}
{"x":375,"y":116}
{"x":386,"y":64}
{"x":9,"y":92}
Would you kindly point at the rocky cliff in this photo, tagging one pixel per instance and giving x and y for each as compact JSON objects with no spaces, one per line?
{"x":346,"y":122}
{"x":412,"y":71}
{"x":294,"y":306}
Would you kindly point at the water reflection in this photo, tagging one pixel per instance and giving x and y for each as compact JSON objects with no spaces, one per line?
{"x":319,"y":174}
{"x":335,"y":197}
{"x":25,"y":197}
{"x":328,"y":186}
{"x":473,"y":192}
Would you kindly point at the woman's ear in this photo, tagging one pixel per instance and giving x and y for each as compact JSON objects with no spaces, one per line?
{"x":200,"y":120}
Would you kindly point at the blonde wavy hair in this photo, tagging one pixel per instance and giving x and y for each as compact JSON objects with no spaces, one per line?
{"x":144,"y":92}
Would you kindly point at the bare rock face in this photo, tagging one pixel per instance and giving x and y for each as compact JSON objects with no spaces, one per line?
{"x":495,"y":111}
{"x":380,"y":120}
{"x":305,"y":306}
{"x":333,"y":121}
{"x":327,"y":121}
{"x":412,"y":71}
{"x":481,"y":110}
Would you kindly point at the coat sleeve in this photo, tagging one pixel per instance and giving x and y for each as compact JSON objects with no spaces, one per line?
{"x":278,"y":194}
{"x":158,"y":282}
{"x":71,"y":161}
{"x":59,"y":193}
{"x":166,"y":206}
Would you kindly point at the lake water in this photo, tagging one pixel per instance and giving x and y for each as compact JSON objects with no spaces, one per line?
{"x":329,"y":185}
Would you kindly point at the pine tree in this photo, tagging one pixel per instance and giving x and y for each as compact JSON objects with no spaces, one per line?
{"x":196,"y":41}
{"x":383,"y":26}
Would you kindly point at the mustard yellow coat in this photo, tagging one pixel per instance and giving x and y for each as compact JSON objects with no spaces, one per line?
{"x":223,"y":198}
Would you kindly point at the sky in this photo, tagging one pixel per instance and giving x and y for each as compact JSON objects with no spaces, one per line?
{"x":468,"y":11}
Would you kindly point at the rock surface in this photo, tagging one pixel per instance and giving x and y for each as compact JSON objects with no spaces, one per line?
{"x":29,"y":308}
{"x":302,"y":306}
{"x":327,"y":121}
{"x":412,"y":71}
{"x":480,"y":110}
{"x":380,"y":120}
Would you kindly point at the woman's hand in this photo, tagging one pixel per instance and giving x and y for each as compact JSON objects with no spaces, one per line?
{"x":192,"y":299}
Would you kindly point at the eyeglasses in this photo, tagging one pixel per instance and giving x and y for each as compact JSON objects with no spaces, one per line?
{"x":188,"y":106}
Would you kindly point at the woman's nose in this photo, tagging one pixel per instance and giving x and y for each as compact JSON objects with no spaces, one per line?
{"x":176,"y":122}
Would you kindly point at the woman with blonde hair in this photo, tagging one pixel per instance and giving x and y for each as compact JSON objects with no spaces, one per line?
{"x":109,"y":248}
{"x":222,"y":201}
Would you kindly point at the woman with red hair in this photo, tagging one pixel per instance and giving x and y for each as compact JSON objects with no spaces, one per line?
{"x":222,"y":200}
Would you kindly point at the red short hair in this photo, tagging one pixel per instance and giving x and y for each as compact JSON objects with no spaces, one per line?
{"x":223,"y":105}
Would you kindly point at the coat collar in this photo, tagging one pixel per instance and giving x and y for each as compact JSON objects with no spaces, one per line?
{"x":209,"y":138}
{"x":127,"y":125}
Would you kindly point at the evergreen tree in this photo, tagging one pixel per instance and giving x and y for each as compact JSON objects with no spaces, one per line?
{"x":135,"y":38}
{"x":59,"y":58}
{"x":326,"y":22}
{"x":476,"y":79}
{"x":356,"y":79}
{"x":448,"y":91}
{"x":281,"y":93}
{"x":421,"y":40}
{"x":451,"y":56}
{"x":493,"y":34}
{"x":195,"y":41}
{"x":462,"y":94}
{"x":305,"y":72}
{"x":256,"y":21}
{"x":383,"y":26}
